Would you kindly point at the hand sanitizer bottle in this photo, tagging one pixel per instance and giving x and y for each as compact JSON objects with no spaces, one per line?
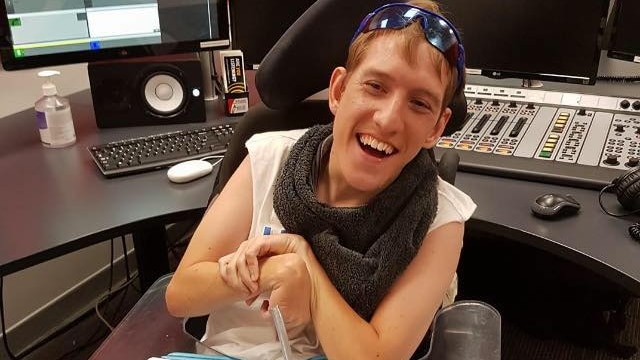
{"x":53,"y":115}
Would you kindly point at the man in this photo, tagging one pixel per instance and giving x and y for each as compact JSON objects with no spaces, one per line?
{"x":372,"y":235}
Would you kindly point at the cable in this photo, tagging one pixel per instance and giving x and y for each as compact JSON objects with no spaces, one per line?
{"x":102,"y":319}
{"x":607,"y":211}
{"x":109,"y":289}
{"x":217,"y":84}
{"x":92,"y":339}
{"x":634,"y":229}
{"x":101,"y":333}
{"x":219,"y":157}
{"x":4,"y":326}
{"x":126,"y":257}
{"x":107,"y":296}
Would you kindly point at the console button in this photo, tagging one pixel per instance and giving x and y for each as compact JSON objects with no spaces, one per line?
{"x":624,"y":104}
{"x":612,"y":160}
{"x":633,"y":162}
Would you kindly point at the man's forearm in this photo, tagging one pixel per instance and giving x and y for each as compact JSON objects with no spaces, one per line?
{"x":199,"y":289}
{"x":341,"y":331}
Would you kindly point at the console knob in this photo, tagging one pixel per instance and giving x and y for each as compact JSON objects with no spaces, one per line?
{"x":530,"y":106}
{"x":478,"y":102}
{"x":611,"y":160}
{"x":495,"y":102}
{"x":512,"y":104}
{"x":624,"y":104}
{"x":582,"y":112}
{"x":636,"y":105}
{"x":633,"y":162}
{"x":619,"y":128}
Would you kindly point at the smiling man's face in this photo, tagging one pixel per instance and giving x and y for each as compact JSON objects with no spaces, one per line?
{"x":386,"y":110}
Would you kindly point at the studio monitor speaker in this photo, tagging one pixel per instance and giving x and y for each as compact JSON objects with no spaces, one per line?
{"x":156,"y":92}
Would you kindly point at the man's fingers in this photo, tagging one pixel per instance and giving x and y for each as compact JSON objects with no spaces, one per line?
{"x":258,"y":247}
{"x":239,"y":263}
{"x":255,"y":251}
{"x":244,"y":271}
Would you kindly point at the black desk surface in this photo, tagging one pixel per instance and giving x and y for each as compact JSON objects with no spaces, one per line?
{"x":55,"y":201}
{"x":592,"y":239}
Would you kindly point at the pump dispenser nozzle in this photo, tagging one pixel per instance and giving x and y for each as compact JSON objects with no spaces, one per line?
{"x":48,"y":88}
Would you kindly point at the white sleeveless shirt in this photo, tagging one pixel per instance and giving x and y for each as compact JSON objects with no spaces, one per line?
{"x":239,"y":330}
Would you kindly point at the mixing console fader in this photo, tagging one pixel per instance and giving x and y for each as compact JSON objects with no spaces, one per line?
{"x":564,"y":138}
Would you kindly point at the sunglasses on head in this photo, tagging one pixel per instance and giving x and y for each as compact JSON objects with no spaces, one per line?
{"x":438,"y":31}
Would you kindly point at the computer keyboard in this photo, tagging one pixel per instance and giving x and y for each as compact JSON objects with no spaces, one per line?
{"x":157,"y":151}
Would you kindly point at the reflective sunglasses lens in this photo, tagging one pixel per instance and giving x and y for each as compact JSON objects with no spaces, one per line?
{"x":390,"y":18}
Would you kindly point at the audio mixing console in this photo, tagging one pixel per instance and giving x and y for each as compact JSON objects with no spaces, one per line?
{"x":556,"y":137}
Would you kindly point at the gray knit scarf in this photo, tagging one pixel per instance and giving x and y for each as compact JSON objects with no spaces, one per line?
{"x":362,"y":249}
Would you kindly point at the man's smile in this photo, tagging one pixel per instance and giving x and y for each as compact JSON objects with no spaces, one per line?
{"x":375,"y":147}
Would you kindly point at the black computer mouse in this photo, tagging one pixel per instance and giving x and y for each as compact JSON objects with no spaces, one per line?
{"x":554,"y":206}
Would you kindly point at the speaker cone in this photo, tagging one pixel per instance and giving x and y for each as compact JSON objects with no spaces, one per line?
{"x":164,"y":93}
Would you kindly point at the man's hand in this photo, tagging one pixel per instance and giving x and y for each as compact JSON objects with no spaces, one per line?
{"x":291,"y":292}
{"x":288,"y":281}
{"x":241,"y":269}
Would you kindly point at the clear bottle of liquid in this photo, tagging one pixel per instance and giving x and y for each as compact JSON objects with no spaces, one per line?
{"x":53,"y":115}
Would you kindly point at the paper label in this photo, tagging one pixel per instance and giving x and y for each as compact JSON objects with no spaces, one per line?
{"x":238,"y":106}
{"x":60,"y":125}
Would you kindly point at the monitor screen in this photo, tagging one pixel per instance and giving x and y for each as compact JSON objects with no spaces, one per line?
{"x":52,"y":32}
{"x":557,"y":40}
{"x":624,"y":43}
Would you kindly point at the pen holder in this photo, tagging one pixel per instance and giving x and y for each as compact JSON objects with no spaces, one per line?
{"x":236,"y":104}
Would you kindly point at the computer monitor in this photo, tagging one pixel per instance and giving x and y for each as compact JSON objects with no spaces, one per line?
{"x":556,"y":40}
{"x":45,"y":33}
{"x":624,"y":41}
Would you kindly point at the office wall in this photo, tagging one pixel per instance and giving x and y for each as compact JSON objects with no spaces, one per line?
{"x":38,"y":298}
{"x":20,"y":89}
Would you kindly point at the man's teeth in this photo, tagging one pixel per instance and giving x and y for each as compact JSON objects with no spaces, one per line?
{"x":376,"y":144}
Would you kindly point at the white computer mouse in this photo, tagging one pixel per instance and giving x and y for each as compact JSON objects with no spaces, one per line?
{"x":189,"y":170}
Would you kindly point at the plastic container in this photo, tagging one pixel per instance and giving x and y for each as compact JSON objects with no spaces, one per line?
{"x":53,"y":115}
{"x":466,"y":330}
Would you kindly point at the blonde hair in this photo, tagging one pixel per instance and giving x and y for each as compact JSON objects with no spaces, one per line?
{"x":411,"y":37}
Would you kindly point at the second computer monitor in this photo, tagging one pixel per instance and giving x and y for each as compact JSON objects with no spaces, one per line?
{"x":554,"y":40}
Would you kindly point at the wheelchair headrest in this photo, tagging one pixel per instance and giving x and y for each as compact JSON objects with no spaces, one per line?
{"x":300,"y":63}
